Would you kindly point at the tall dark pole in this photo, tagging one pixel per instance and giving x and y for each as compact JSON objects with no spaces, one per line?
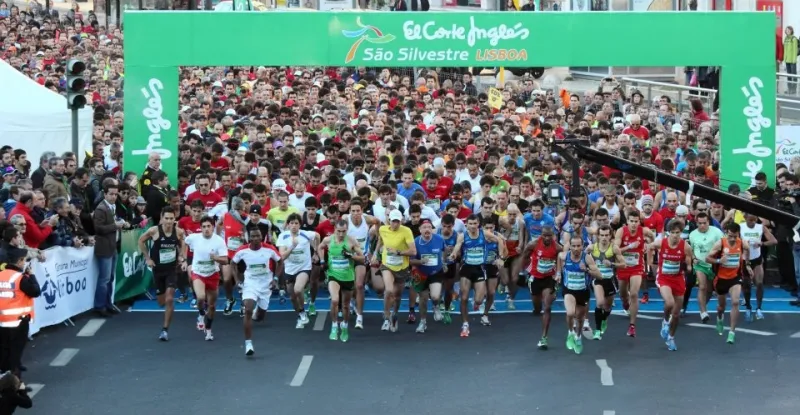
{"x":75,"y":133}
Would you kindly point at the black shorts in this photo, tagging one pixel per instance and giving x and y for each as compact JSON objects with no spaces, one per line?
{"x":722,"y":286}
{"x":292,"y":277}
{"x":509,"y":261}
{"x":344,"y":285}
{"x":491,"y":271}
{"x":609,"y":286}
{"x":474,"y":273}
{"x":164,"y":280}
{"x":452,"y":269}
{"x":581,"y":296}
{"x":756,"y":262}
{"x":538,"y":285}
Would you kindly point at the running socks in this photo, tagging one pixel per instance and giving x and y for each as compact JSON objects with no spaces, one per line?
{"x":747,"y":290}
{"x":209,"y":321}
{"x":599,"y":316}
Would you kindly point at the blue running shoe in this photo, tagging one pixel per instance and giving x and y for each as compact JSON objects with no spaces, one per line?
{"x":664,"y":330}
{"x":671,"y":346}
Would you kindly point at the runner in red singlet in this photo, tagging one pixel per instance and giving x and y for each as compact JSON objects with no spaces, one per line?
{"x":631,"y":242}
{"x":542,"y":285}
{"x":513,"y":229}
{"x":675,"y":257}
{"x":190,"y":224}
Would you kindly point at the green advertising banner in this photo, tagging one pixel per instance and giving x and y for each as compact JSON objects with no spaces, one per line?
{"x":133,"y":278}
{"x":156,"y":44}
{"x":151,"y":101}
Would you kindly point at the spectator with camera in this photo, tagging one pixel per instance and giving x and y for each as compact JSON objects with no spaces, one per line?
{"x":67,"y":231}
{"x":56,"y":184}
{"x":36,"y":232}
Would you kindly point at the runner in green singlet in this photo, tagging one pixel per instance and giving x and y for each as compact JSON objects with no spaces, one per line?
{"x":343,"y":253}
{"x":702,"y":240}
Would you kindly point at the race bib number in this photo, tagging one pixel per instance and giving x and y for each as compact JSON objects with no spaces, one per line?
{"x":166,"y":256}
{"x":297,"y":256}
{"x":234,"y":244}
{"x":430,"y":260}
{"x":545,"y":265}
{"x":258,"y":270}
{"x":394,"y":260}
{"x":340,"y":263}
{"x":631,"y":259}
{"x":670,"y":267}
{"x":205,"y":267}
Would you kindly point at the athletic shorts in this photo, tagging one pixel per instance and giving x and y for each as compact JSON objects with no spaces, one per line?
{"x":581,"y":296}
{"x":706,"y":269}
{"x":609,"y":286}
{"x":491,"y":271}
{"x":258,"y":290}
{"x":165,"y":280}
{"x":421,"y":282}
{"x":474,"y":273}
{"x":538,"y":285}
{"x":509,"y":261}
{"x":343,"y":285}
{"x":400,"y":277}
{"x":676,"y":284}
{"x":293,"y":277}
{"x":756,"y":262}
{"x":723,"y":286}
{"x":451,"y":272}
{"x":625,"y":274}
{"x":211,"y":282}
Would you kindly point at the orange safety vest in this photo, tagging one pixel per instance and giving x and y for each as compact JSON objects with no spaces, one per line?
{"x":14,"y":304}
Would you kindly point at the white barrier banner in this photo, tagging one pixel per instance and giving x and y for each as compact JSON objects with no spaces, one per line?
{"x":68,"y":278}
{"x":787,"y":143}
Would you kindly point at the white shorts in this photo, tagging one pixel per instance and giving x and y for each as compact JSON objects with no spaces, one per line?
{"x":257,"y":290}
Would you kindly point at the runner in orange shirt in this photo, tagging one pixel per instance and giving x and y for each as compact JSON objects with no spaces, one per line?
{"x":730,"y":254}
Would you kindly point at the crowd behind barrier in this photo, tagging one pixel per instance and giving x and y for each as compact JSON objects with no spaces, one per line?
{"x":68,"y":278}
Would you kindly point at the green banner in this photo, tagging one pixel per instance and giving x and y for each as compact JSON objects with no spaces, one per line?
{"x":748,"y":119}
{"x":156,"y":45}
{"x":133,"y":278}
{"x":151,"y":100}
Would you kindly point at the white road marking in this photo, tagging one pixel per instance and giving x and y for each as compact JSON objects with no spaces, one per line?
{"x":64,"y":357}
{"x":319,"y":323}
{"x":644,"y":315}
{"x":35,"y":388}
{"x":711,"y":326}
{"x":91,"y":327}
{"x":609,"y":412}
{"x":302,"y":371}
{"x":606,"y":377}
{"x":796,"y":335}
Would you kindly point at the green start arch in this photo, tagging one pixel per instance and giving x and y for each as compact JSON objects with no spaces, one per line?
{"x":742,"y":43}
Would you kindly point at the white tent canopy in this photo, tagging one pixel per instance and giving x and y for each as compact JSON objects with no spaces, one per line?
{"x":36,"y":119}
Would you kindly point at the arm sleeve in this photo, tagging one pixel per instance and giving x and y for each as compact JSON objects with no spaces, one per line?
{"x":37,"y":235}
{"x":30,"y":286}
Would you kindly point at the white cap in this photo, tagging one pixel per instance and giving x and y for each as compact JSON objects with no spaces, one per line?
{"x":195,"y":132}
{"x":682,"y":210}
{"x":438,"y":162}
{"x":278,"y":185}
{"x":519,"y":139}
{"x":676,"y":128}
{"x":363,"y":113}
{"x":476,"y":129}
{"x":521,"y":110}
{"x":395,"y":215}
{"x":216,"y":84}
{"x":230,"y":111}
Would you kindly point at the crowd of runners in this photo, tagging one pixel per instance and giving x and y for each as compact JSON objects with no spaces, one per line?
{"x":299,"y":181}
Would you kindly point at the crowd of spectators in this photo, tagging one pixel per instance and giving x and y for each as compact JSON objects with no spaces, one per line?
{"x":327,"y":135}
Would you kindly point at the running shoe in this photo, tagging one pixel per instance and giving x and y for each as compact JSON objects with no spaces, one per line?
{"x":312,"y":309}
{"x":183,"y":298}
{"x":598,"y":335}
{"x":209,"y":335}
{"x":493,"y":307}
{"x":704,"y":318}
{"x":386,"y":325}
{"x":447,"y":318}
{"x":664,"y":330}
{"x":334,"y":333}
{"x":465,"y":330}
{"x":299,"y":324}
{"x":485,"y":320}
{"x":645,"y":298}
{"x":631,"y":331}
{"x":759,"y":314}
{"x":731,"y":337}
{"x":542,"y":345}
{"x":394,"y":323}
{"x":164,"y":337}
{"x":578,"y":344}
{"x":586,"y":327}
{"x":603,"y":327}
{"x":360,"y":322}
{"x":344,"y":335}
{"x":304,"y":318}
{"x":437,"y":314}
{"x":412,"y":318}
{"x":193,"y":304}
{"x":720,"y":326}
{"x":748,"y":315}
{"x":423,"y":325}
{"x":671,"y":346}
{"x":229,"y":307}
{"x":248,"y":349}
{"x":201,"y":323}
{"x":510,"y":304}
{"x":571,"y":340}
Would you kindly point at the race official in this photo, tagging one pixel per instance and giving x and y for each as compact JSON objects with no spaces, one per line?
{"x":18,"y":288}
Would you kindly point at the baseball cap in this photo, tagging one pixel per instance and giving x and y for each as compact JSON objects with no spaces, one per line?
{"x":255,"y":209}
{"x":681,"y":210}
{"x":438,"y":162}
{"x":230,"y":111}
{"x":647,"y":200}
{"x":395,"y":215}
{"x":9,"y":170}
{"x":278,"y":185}
{"x":140,"y":201}
{"x":426,"y":220}
{"x":676,"y":128}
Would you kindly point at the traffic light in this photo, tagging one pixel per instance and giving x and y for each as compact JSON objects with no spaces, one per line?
{"x":76,"y":84}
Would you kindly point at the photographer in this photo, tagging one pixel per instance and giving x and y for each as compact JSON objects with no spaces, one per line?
{"x":18,"y":288}
{"x":788,"y":200}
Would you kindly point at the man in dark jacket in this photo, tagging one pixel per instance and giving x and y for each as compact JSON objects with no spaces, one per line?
{"x":38,"y":175}
{"x":158,"y":196}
